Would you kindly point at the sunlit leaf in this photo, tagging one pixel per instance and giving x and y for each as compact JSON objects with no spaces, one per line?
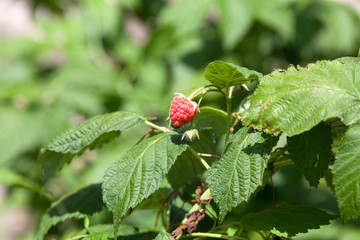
{"x":239,"y":172}
{"x":91,"y":134}
{"x":298,"y":99}
{"x":139,"y":173}
{"x":225,"y":75}
{"x":347,"y":174}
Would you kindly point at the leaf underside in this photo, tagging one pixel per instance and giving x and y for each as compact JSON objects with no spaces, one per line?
{"x":347,"y":174}
{"x":287,"y":221}
{"x":225,"y":75}
{"x":311,"y":152}
{"x":298,"y":99}
{"x":239,"y":172}
{"x":139,"y":173}
{"x":90,"y":134}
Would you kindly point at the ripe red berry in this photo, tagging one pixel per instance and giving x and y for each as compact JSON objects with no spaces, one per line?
{"x":182,"y":110}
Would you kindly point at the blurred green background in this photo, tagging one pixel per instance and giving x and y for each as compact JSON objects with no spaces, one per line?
{"x":63,"y":61}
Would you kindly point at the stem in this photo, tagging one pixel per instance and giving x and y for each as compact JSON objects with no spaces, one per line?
{"x":198,"y":91}
{"x":216,"y":235}
{"x":164,"y":129}
{"x":284,"y":163}
{"x":77,"y":237}
{"x":206,"y":165}
{"x":229,"y":91}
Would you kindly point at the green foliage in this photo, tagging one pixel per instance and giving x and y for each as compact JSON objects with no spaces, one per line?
{"x":240,"y":171}
{"x":90,"y":134}
{"x":81,"y":204}
{"x":72,"y":60}
{"x":311,"y":152}
{"x":286,"y":221}
{"x":139,"y":173}
{"x":163,"y":236}
{"x":225,"y":75}
{"x":298,"y":99}
{"x":235,"y":21}
{"x":346,"y":174}
{"x":187,"y":166}
{"x":209,"y":117}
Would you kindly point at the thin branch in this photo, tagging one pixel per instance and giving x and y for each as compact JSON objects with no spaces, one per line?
{"x":162,"y":206}
{"x":146,"y":133}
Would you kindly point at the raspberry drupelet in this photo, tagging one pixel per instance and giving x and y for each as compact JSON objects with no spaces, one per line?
{"x":182,"y":110}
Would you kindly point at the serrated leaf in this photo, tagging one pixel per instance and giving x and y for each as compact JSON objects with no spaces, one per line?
{"x":311,"y":152}
{"x":234,"y":21}
{"x":164,"y":236}
{"x":84,"y":202}
{"x":347,"y":174}
{"x":298,"y":99}
{"x":239,"y":172}
{"x":286,"y":220}
{"x":225,"y":75}
{"x":355,"y":60}
{"x":209,"y":117}
{"x":139,"y":173}
{"x":187,"y":167}
{"x":91,"y":134}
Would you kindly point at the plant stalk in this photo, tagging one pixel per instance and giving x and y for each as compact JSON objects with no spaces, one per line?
{"x":216,"y":235}
{"x":204,"y":163}
{"x":229,"y":91}
{"x":164,"y":129}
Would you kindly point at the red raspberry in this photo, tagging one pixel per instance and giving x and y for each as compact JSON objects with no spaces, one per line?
{"x":182,"y":110}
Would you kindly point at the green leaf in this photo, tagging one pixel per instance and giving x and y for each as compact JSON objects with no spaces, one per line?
{"x":346,"y":174}
{"x":91,"y":134}
{"x":239,"y":172}
{"x":355,"y":60}
{"x":209,"y":117}
{"x":298,"y":99}
{"x":187,"y":167}
{"x":311,"y":152}
{"x":286,"y":220}
{"x":139,"y":173}
{"x":164,"y":236}
{"x":234,"y":21}
{"x":224,"y":74}
{"x":84,"y":202}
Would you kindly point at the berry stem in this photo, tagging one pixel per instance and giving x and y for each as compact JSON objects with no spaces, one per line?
{"x":164,"y":129}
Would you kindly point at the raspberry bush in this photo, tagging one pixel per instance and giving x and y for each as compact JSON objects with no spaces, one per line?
{"x":305,"y":117}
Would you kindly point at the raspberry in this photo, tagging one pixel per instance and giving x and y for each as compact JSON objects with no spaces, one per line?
{"x":182,"y":110}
